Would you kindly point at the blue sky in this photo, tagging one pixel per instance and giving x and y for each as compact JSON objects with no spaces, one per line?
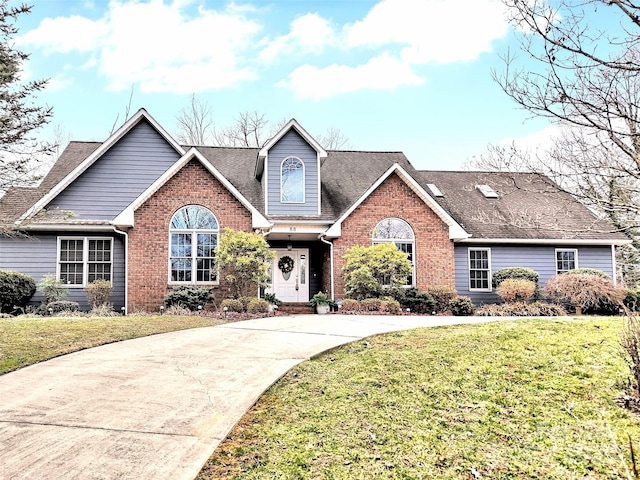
{"x":409,"y":75}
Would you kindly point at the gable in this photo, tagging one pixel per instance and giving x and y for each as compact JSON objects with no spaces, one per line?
{"x":292,"y":146}
{"x":119,"y":176}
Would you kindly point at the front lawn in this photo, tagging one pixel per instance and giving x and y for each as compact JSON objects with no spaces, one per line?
{"x":27,"y":340}
{"x":533,"y":399}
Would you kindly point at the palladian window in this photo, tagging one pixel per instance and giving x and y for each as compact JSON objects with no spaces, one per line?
{"x":292,"y":181}
{"x":193,"y":236}
{"x":400,"y":233}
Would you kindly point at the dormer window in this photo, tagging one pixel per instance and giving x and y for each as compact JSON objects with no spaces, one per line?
{"x":292,"y":181}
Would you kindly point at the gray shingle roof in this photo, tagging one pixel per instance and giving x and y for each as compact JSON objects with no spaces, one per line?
{"x":528,"y":206}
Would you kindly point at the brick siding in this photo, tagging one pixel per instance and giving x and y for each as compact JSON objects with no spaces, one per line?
{"x":148,"y":272}
{"x":433,"y":256}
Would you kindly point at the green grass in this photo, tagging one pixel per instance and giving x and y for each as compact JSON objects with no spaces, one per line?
{"x":28,"y":340}
{"x":513,"y":400}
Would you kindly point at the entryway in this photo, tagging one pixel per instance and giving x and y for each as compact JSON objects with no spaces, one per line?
{"x":290,"y":275}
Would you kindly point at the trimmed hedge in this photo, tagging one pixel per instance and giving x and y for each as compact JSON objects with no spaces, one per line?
{"x":16,"y":289}
{"x":587,"y":271}
{"x":461,"y":306}
{"x":522,"y":273}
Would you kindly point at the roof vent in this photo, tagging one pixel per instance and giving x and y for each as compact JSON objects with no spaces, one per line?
{"x":487,"y":191}
{"x":435,"y":190}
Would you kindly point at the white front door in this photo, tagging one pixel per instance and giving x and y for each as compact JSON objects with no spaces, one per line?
{"x":291,"y":286}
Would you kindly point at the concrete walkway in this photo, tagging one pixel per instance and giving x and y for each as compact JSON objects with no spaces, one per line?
{"x":157,"y":407}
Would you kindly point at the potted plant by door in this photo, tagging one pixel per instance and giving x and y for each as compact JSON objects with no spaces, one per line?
{"x":274,"y":303}
{"x":322,"y":302}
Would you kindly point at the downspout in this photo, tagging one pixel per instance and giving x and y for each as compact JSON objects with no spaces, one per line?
{"x":323,"y":240}
{"x":126,"y":267}
{"x":614,"y":265}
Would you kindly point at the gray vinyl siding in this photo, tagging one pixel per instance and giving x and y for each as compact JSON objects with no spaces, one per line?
{"x":119,"y":176}
{"x":541,"y":259}
{"x":37,"y":257}
{"x":292,"y":145}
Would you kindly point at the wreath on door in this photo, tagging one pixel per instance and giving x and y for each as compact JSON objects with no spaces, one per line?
{"x":285,"y":264}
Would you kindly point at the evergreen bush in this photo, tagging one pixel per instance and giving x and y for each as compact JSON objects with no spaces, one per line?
{"x":461,"y":306}
{"x":232,"y":305}
{"x":522,"y":273}
{"x":442,"y":295}
{"x":258,"y":305}
{"x":16,"y":289}
{"x":189,"y":296}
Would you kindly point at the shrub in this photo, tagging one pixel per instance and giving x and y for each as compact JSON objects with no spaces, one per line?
{"x":258,"y":305}
{"x":103,"y":310}
{"x":99,"y":293}
{"x":52,"y":289}
{"x":370,"y":305}
{"x":232,"y":305}
{"x":391,"y":306}
{"x":587,"y":271}
{"x":189,"y":296}
{"x":367,"y":269}
{"x":520,"y":309}
{"x":244,"y":260}
{"x":349,"y":305}
{"x":16,"y":289}
{"x":522,"y":273}
{"x":418,"y":302}
{"x":461,"y":306}
{"x":62,"y":306}
{"x":516,"y":290}
{"x":632,"y":300}
{"x":442,"y":295}
{"x":271,"y":298}
{"x":246,"y":301}
{"x":591,"y":293}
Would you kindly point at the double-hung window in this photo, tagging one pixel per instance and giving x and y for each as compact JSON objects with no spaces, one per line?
{"x":82,"y":260}
{"x":566,"y":260}
{"x":193,"y":238}
{"x":400,"y":233}
{"x":480,"y":269}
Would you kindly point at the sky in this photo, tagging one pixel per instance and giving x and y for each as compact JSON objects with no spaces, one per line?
{"x":391,"y":75}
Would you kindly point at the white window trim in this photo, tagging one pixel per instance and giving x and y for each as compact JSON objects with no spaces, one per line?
{"x":412,"y":241}
{"x":490,"y":278}
{"x":555,"y":258}
{"x":194,"y":248}
{"x":85,"y":259}
{"x":304,"y":180}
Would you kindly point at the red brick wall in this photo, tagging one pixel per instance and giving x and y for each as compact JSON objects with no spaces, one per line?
{"x":394,"y":198}
{"x":148,"y":273}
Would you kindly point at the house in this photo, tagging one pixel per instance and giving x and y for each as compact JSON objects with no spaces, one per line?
{"x":145,"y":212}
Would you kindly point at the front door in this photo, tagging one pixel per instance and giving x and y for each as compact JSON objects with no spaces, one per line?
{"x":290,"y":275}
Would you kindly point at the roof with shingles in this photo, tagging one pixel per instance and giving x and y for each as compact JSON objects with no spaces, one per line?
{"x":528,"y":206}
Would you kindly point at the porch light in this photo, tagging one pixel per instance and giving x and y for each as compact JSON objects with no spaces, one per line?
{"x":289,"y":246}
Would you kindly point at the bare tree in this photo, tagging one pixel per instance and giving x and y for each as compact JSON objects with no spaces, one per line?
{"x":20,"y":152}
{"x":195,"y":123}
{"x":249,"y":130}
{"x":334,"y":139}
{"x":583,"y":75}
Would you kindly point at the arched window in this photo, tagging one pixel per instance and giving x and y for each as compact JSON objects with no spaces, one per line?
{"x":193,"y":236}
{"x":400,"y":233}
{"x":292,"y":180}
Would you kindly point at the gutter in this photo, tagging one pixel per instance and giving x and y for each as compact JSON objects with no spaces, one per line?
{"x":126,"y":267}
{"x":323,"y":240}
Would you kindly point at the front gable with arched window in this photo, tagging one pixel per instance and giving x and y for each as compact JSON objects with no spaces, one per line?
{"x":292,"y":180}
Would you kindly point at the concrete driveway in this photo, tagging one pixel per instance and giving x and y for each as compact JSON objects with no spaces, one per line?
{"x":157,"y":407}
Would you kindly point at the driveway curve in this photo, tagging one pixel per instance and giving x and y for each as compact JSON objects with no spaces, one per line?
{"x":157,"y":407}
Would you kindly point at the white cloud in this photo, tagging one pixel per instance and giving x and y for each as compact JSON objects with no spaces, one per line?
{"x":380,"y":73}
{"x":309,"y":33}
{"x":438,"y":31}
{"x":155,"y":45}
